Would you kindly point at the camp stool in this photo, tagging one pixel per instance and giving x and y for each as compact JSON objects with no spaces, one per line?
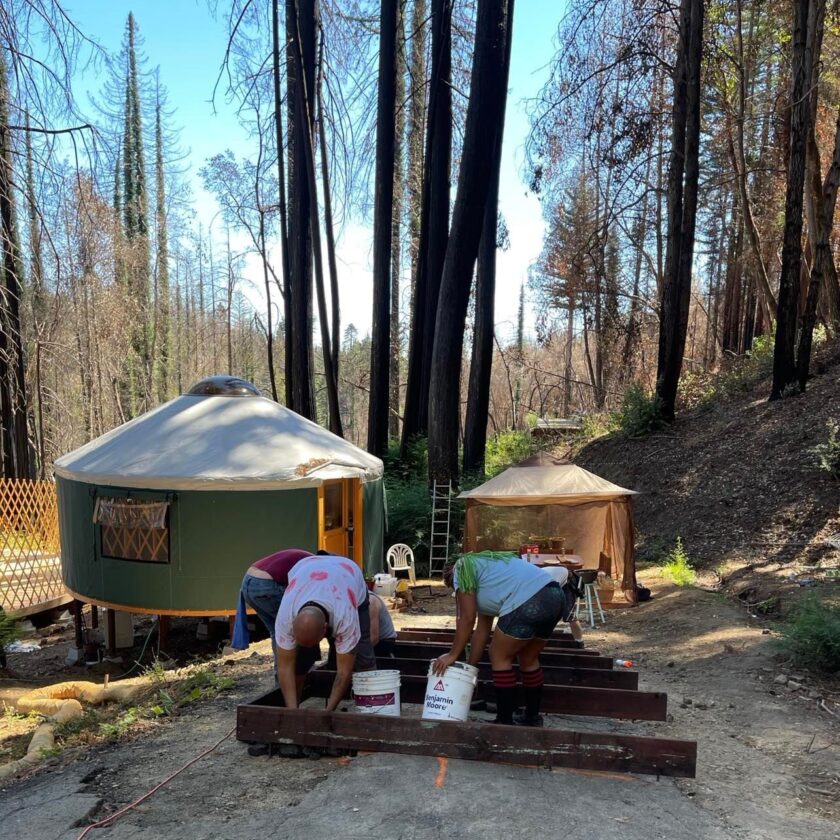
{"x":588,"y":579}
{"x":400,"y":558}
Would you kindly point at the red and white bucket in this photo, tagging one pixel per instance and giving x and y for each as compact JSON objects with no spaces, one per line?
{"x":377,"y":693}
{"x":449,"y":697}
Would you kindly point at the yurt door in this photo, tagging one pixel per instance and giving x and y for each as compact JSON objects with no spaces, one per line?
{"x":335,"y":517}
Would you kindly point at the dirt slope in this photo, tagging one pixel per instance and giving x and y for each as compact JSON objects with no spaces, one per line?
{"x":735,"y":479}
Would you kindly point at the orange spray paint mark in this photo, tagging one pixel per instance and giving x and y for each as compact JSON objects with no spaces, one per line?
{"x":443,"y":765}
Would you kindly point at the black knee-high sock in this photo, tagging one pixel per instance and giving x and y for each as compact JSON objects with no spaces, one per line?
{"x":533,"y":681}
{"x":504,"y":685}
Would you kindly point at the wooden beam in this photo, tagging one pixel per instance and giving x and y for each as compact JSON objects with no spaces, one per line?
{"x":263,"y":722}
{"x":556,"y":699}
{"x":553,"y":659}
{"x":593,"y":677}
{"x":450,"y":631}
{"x":446,"y":638}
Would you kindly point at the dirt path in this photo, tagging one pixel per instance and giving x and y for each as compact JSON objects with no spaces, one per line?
{"x":769,"y":761}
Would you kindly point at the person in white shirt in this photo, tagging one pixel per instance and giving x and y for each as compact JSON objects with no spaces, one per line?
{"x":327,"y":597}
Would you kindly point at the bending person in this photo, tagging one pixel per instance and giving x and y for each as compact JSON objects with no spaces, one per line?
{"x":262,"y":590}
{"x":383,"y":636}
{"x":529,"y":605}
{"x":327,"y":597}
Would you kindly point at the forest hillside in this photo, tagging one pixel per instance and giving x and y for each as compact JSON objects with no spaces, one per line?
{"x":737,"y":479}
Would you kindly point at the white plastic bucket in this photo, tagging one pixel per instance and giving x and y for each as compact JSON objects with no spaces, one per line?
{"x":377,"y":693}
{"x":449,"y":697}
{"x":384,"y":585}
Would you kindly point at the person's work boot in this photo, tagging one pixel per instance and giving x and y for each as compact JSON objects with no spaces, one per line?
{"x":521,"y":718}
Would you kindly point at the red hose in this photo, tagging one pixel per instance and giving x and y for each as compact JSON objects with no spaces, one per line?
{"x":103,"y":822}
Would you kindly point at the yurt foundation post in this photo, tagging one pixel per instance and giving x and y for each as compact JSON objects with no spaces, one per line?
{"x":112,"y":632}
{"x":163,"y":632}
{"x":78,"y":656}
{"x":94,"y":616}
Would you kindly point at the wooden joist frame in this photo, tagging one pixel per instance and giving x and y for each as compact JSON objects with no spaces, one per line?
{"x":266,"y":721}
{"x":548,"y":658}
{"x":556,"y":699}
{"x":593,"y":677}
{"x":446,"y":638}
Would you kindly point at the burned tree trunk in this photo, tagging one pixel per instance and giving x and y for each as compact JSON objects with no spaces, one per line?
{"x":682,"y":205}
{"x":787,"y":315}
{"x":484,"y":129}
{"x":481,"y":363}
{"x":380,"y":345}
{"x":301,"y":20}
{"x":434,"y":226}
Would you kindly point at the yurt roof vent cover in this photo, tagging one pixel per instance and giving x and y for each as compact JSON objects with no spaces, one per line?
{"x":224,"y":386}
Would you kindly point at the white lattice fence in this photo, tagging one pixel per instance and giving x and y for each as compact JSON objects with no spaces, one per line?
{"x":30,"y":561}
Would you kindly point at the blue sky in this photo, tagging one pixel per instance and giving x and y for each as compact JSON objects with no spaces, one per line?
{"x":188,"y":44}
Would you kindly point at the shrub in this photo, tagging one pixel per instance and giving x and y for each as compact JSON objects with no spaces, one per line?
{"x":677,"y":568}
{"x":827,"y":455}
{"x":9,"y":630}
{"x":508,"y":448}
{"x":409,"y":518}
{"x":415,"y":465}
{"x":641,"y":413}
{"x":812,"y":636}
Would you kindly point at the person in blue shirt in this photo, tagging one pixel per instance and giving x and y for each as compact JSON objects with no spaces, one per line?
{"x":529,"y":604}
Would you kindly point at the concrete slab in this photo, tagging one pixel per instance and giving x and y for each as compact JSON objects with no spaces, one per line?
{"x":393,"y":797}
{"x":46,"y":809}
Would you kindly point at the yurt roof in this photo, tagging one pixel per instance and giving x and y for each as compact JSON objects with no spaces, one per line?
{"x":218,"y":438}
{"x":543,"y":479}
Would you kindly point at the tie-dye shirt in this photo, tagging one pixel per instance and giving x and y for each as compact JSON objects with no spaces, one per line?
{"x":334,"y":583}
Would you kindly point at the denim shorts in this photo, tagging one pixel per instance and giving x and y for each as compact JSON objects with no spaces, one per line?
{"x":263,"y":596}
{"x":538,"y":616}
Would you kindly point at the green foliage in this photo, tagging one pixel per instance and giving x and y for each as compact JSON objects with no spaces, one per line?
{"x":409,"y":517}
{"x":812,"y":636}
{"x":121,"y":725}
{"x":827,"y":455}
{"x":593,"y":426}
{"x":88,"y":721}
{"x":9,"y":630}
{"x":738,"y":376}
{"x":415,"y":465}
{"x":677,"y":567}
{"x":508,"y":448}
{"x":641,"y":413}
{"x":202,"y":684}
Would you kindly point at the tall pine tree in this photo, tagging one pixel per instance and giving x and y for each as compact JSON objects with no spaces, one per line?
{"x":135,"y":203}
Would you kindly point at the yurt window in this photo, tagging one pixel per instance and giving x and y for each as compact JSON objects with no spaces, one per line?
{"x":132,"y":529}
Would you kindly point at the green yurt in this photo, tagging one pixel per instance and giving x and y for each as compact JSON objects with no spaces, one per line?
{"x":165,"y":513}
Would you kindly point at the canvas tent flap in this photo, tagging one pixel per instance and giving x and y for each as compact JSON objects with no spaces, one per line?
{"x":197,"y":442}
{"x":543,"y":479}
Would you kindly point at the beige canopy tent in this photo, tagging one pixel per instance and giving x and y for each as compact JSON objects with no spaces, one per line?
{"x":547,"y":499}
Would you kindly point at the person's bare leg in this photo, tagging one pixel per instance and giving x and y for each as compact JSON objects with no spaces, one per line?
{"x":529,"y":656}
{"x":576,"y":630}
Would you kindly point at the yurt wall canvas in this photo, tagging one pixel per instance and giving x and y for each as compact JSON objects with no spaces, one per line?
{"x":165,"y":513}
{"x":213,"y":537}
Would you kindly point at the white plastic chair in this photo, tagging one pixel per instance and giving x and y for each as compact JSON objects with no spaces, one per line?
{"x":400,"y":558}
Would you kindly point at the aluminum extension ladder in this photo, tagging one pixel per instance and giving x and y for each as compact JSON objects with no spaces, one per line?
{"x":441,"y":522}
